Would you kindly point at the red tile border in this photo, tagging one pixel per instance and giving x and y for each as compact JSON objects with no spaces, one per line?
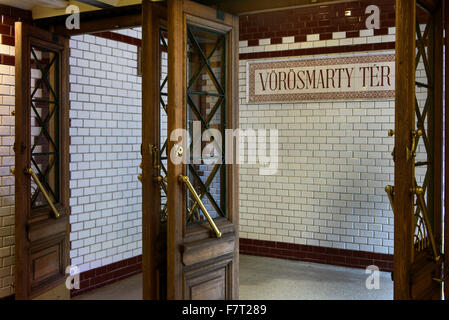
{"x":318,"y":51}
{"x":6,"y":30}
{"x":331,"y":256}
{"x":105,"y":275}
{"x":316,"y":19}
{"x":8,"y":40}
{"x":11,"y":15}
{"x":7,"y":60}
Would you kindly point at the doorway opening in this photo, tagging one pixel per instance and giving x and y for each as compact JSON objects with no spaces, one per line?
{"x":106,"y":137}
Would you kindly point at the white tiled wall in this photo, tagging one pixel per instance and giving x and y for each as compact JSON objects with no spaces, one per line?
{"x":6,"y":179}
{"x":105,"y":132}
{"x":334,"y":163}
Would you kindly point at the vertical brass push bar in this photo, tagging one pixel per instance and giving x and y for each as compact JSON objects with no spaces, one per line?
{"x":30,"y":171}
{"x":186,"y":180}
{"x":420,"y":195}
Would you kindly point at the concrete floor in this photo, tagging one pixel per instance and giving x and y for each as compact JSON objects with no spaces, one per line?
{"x":276,"y":279}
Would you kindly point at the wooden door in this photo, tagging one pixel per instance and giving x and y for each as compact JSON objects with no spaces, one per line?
{"x":202,"y":221}
{"x":417,"y":194}
{"x":41,"y":163}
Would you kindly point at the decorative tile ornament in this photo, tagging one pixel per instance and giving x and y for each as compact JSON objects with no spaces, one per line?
{"x":367,"y":77}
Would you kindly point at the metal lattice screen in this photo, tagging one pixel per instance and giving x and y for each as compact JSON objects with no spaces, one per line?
{"x":45,"y":108}
{"x":206,"y":116}
{"x":424,"y":117}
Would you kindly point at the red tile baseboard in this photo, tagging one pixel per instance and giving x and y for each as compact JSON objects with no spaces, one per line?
{"x":102,"y":276}
{"x":332,"y":256}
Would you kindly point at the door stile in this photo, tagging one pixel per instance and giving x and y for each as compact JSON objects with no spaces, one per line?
{"x":404,"y":124}
{"x":151,"y":257}
{"x":232,"y":181}
{"x":446,"y":156}
{"x":21,"y":159}
{"x":176,"y":120}
{"x":437,"y":157}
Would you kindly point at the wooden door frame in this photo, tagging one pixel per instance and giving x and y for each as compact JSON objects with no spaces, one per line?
{"x":126,"y":20}
{"x":174,"y":15}
{"x":404,"y":124}
{"x":152,"y":16}
{"x":404,"y":227}
{"x":446,"y":159}
{"x":178,"y":13}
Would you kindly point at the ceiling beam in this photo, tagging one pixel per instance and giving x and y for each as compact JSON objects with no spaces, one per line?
{"x":96,"y":3}
{"x":96,"y":21}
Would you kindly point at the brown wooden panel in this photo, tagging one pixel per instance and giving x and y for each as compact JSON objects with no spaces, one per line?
{"x":422,"y":272}
{"x":210,"y":290}
{"x":209,"y":282}
{"x":45,"y":263}
{"x":46,"y":228}
{"x":202,"y":251}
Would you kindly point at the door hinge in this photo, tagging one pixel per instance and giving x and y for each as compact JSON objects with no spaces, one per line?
{"x":22,"y":147}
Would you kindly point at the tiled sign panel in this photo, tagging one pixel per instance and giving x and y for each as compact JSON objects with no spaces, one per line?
{"x":337,"y":78}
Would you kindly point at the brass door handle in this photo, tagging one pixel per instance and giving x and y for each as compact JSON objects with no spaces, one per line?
{"x":186,"y":180}
{"x":416,"y":134}
{"x":30,"y":171}
{"x":390,"y":192}
{"x":443,"y":278}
